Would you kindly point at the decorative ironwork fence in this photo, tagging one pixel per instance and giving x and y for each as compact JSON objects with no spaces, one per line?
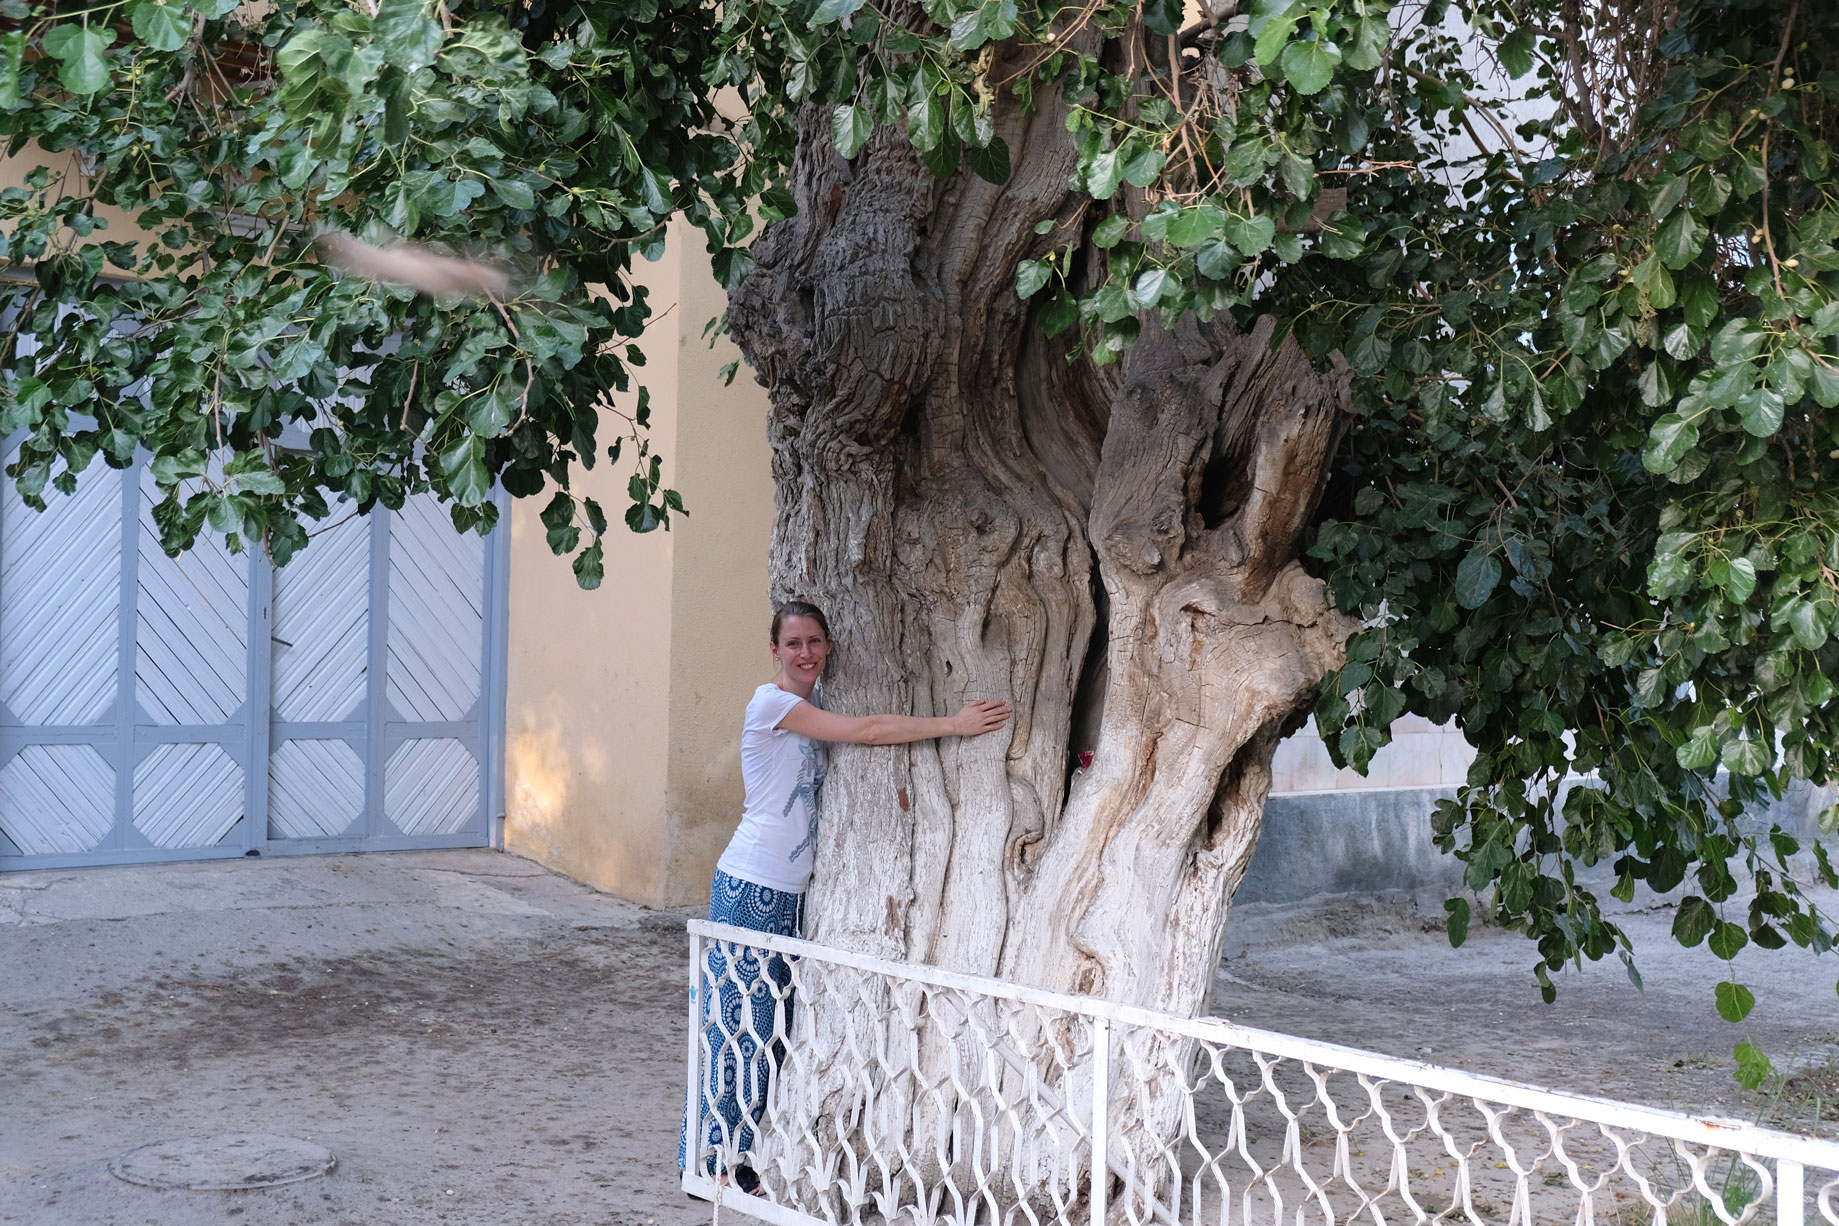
{"x":831,"y":1087}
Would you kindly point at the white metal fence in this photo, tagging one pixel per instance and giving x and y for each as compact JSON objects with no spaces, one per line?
{"x":839,"y":1088}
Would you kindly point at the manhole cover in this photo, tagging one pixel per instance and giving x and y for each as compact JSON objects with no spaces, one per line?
{"x":231,"y":1160}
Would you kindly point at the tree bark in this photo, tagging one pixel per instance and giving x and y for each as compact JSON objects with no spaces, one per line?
{"x":1112,"y":549}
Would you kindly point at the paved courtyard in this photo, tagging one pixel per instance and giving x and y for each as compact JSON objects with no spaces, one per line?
{"x":478,"y":1040}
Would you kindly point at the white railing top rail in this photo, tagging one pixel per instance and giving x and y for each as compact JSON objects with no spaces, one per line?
{"x":1725,"y":1134}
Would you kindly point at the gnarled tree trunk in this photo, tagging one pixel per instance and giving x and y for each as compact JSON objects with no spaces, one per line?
{"x":1112,"y":549}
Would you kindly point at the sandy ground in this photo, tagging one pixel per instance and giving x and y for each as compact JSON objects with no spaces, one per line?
{"x":481,"y":1041}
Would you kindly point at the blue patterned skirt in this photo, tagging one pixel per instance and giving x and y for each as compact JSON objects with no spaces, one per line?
{"x":737,"y":1068}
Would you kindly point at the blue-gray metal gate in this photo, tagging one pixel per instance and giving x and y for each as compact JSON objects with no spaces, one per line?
{"x":154,"y":708}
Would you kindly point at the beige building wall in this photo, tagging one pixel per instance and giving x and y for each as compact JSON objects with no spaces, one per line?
{"x":624,"y":707}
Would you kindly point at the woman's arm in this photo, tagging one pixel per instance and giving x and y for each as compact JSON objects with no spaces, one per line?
{"x":973,"y":719}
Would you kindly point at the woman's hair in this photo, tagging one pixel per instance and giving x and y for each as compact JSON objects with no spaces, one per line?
{"x":799,"y":608}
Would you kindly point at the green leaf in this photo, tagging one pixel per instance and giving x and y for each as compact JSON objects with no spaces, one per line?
{"x":1109,"y":232}
{"x":515,"y":193}
{"x":1368,"y":353}
{"x":1700,"y":749}
{"x":1734,"y":1001}
{"x":850,"y":127}
{"x":1273,"y":39}
{"x":1737,"y":341}
{"x":1162,"y":16}
{"x":463,"y":464}
{"x":1310,"y":65}
{"x":1741,"y":580}
{"x":1668,"y":442}
{"x":1149,"y":287}
{"x":1693,"y":921}
{"x":1681,"y":238}
{"x":991,"y":162}
{"x":12,"y":58}
{"x":162,"y":26}
{"x":995,"y":21}
{"x":1761,"y":409}
{"x":926,"y":123}
{"x":1216,"y":260}
{"x":1753,"y":1068}
{"x":257,"y":481}
{"x":1251,"y":235}
{"x":1823,"y":383}
{"x":1515,"y":52}
{"x":833,"y":10}
{"x":1807,"y":626}
{"x":407,"y":36}
{"x":1103,"y":174}
{"x":1112,"y":302}
{"x":82,"y":50}
{"x":1030,"y":276}
{"x":1745,"y":757}
{"x":1141,"y":170}
{"x":1458,"y":925}
{"x":1193,"y":226}
{"x":1366,"y":50}
{"x":1058,"y":313}
{"x":590,"y":567}
{"x":1476,"y":578}
{"x":1727,"y":939}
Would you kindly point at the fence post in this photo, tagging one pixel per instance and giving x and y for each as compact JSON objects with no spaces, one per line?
{"x":692,"y":1100}
{"x":1789,"y":1192}
{"x":1101,"y":1117}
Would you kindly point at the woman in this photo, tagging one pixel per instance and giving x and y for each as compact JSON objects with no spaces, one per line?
{"x":760,"y":879}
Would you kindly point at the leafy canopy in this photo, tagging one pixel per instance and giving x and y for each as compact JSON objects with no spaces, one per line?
{"x":1580,"y":256}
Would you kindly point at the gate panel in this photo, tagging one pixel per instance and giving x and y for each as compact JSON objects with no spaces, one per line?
{"x":315,"y":789}
{"x":437,"y":614}
{"x":432,"y":787}
{"x":192,"y":626}
{"x":187,"y":796}
{"x":322,"y":627}
{"x":57,"y":798}
{"x":59,"y":598}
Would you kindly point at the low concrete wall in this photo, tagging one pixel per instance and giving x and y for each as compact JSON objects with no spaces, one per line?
{"x":1369,"y":842}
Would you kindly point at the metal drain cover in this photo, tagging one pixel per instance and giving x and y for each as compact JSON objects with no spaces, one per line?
{"x":227,"y":1161}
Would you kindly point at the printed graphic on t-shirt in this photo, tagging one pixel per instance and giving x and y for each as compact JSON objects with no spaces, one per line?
{"x":810,"y":789}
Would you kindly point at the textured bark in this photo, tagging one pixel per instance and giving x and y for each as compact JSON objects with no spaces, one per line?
{"x":1112,"y":549}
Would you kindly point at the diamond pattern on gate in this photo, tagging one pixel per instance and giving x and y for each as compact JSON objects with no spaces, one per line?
{"x":315,"y":789}
{"x":321,"y":635}
{"x":436,"y":613}
{"x":191,"y":637}
{"x":187,"y":795}
{"x":57,"y":799}
{"x":57,"y":620}
{"x":862,"y":1091}
{"x":431,"y":786}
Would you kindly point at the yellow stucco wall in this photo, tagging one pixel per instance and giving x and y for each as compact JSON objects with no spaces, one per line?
{"x":624,"y":704}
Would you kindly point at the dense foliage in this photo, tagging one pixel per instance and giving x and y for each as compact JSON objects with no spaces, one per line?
{"x":1580,"y":257}
{"x":545,"y":139}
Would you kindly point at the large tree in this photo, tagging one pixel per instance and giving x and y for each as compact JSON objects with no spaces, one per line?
{"x":1170,"y":373}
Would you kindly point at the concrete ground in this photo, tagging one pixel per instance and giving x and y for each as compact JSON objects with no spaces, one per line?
{"x":478,"y":1040}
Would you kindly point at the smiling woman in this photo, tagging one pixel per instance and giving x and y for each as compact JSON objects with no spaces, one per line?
{"x":760,"y":880}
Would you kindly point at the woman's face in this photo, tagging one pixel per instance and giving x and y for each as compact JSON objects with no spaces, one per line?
{"x":802,"y":649}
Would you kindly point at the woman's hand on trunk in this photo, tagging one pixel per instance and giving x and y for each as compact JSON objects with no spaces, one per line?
{"x":977,"y":718}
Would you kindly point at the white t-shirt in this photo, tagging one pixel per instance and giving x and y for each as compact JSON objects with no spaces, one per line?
{"x":784,"y":776}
